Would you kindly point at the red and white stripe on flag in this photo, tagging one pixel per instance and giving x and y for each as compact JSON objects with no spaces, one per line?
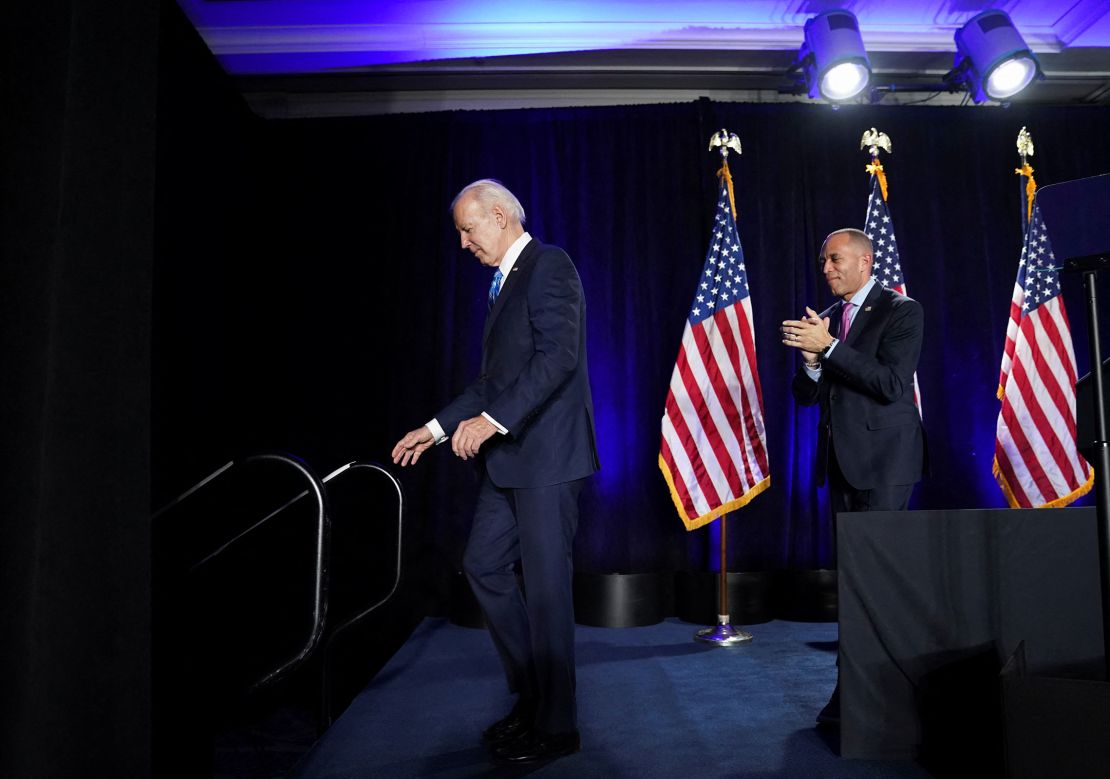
{"x":713,"y":452}
{"x":1011,"y":337}
{"x":1036,"y":461}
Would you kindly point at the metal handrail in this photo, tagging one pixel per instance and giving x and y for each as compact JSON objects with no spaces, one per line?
{"x":323,"y":529}
{"x":326,"y":697}
{"x":323,"y":562}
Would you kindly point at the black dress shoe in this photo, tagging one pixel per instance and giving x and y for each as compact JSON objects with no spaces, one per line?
{"x":534,"y":746}
{"x":513,"y":725}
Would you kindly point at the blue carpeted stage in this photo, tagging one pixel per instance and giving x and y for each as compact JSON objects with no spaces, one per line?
{"x":652,"y":703}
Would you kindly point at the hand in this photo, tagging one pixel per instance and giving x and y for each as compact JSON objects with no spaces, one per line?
{"x":415,"y":443}
{"x":470,"y":435}
{"x":810,"y":335}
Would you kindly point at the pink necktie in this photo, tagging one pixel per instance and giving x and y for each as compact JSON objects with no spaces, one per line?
{"x":845,"y":320}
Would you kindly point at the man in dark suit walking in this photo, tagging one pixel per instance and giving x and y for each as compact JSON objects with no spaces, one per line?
{"x":859,"y":359}
{"x":529,"y":418}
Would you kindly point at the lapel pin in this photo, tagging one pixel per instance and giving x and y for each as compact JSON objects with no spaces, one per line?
{"x":867,"y":308}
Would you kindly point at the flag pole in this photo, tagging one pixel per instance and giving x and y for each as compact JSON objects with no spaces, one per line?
{"x":724,"y":634}
{"x":1025,"y":151}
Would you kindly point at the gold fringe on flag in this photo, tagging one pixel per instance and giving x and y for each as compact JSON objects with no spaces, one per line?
{"x":1060,"y":502}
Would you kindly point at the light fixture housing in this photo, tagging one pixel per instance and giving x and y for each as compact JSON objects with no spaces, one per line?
{"x":833,"y":59}
{"x":992,"y":58}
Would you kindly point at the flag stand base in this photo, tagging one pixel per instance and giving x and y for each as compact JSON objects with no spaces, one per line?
{"x":724,"y":634}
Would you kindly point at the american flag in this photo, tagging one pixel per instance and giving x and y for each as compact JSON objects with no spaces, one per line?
{"x":714,"y":448}
{"x":886,"y":265}
{"x":1036,"y":462}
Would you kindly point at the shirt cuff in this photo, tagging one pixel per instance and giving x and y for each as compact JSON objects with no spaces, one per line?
{"x":500,"y":429}
{"x":814,"y":371}
{"x":832,"y":346}
{"x":437,"y":432}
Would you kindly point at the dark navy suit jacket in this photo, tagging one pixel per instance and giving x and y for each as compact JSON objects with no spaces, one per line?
{"x":534,"y":379}
{"x":866,"y":394}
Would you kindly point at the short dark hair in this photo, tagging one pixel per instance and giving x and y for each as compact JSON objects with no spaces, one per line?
{"x":859,"y":239}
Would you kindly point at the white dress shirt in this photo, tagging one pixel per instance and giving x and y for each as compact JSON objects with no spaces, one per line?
{"x":814,"y":371}
{"x":506,"y":267}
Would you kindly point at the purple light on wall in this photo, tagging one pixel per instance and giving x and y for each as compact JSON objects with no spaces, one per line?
{"x":312,"y":37}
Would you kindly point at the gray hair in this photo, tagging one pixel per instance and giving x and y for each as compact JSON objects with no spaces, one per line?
{"x":489,"y":192}
{"x":859,"y":239}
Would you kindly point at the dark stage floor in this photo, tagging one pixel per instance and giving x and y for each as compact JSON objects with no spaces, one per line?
{"x":652,"y":703}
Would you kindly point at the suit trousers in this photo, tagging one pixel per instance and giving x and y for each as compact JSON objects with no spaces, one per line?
{"x":883,"y":497}
{"x":534,"y":632}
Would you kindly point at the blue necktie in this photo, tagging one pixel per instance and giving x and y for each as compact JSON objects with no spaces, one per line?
{"x":495,"y":286}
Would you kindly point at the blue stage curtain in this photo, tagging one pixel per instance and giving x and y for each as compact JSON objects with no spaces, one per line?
{"x":365,"y":317}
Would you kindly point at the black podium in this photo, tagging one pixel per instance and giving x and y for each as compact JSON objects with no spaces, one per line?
{"x":1077,"y":219}
{"x":934,"y":603}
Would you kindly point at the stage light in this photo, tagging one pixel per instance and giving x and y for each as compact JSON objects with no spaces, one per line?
{"x":832,"y":58}
{"x":993,"y":59}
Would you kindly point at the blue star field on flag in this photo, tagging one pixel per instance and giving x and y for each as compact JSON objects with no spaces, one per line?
{"x":887,"y":267}
{"x":724,"y":280}
{"x":1038,"y":273}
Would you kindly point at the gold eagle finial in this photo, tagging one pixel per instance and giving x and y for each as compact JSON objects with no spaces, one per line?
{"x":725,"y":140}
{"x":873,"y":140}
{"x":1024,"y":144}
{"x":876,"y":140}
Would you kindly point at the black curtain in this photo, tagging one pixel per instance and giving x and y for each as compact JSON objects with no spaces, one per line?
{"x":77,"y":145}
{"x":372,"y":314}
{"x":208,"y":276}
